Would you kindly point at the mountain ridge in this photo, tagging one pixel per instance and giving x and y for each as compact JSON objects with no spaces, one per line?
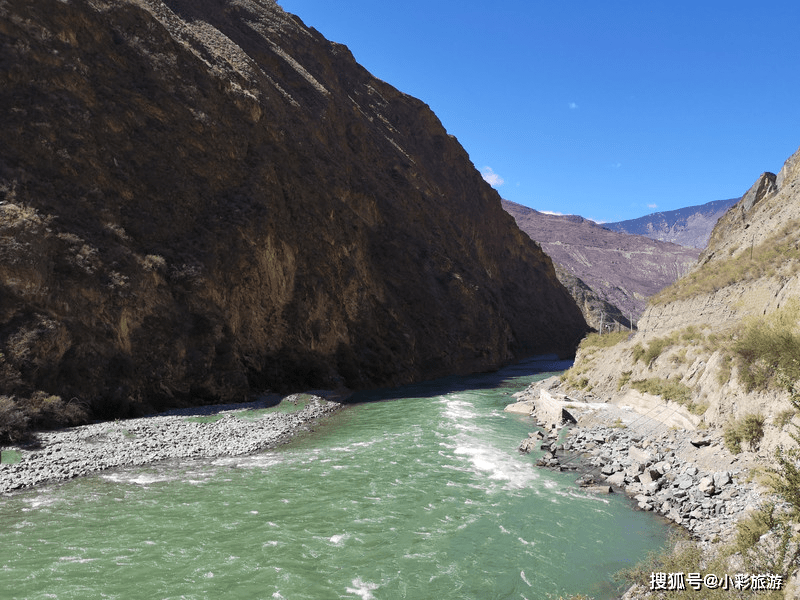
{"x":622,"y":269}
{"x":688,"y":226}
{"x":205,"y":198}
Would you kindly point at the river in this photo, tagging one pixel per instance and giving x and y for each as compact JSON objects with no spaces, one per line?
{"x":417,"y":492}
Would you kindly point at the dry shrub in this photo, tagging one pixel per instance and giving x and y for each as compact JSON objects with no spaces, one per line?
{"x":14,"y":424}
{"x":51,"y":412}
{"x":769,"y":346}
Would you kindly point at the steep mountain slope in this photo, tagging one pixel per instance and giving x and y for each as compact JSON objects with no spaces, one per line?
{"x":623,"y":270}
{"x":599,"y":314}
{"x":205,"y":197}
{"x":690,"y":226}
{"x":723,"y":341}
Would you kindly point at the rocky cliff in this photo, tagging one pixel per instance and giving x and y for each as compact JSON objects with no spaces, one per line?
{"x":205,"y":197}
{"x":722,"y":342}
{"x":621,"y":270}
{"x":705,"y":384}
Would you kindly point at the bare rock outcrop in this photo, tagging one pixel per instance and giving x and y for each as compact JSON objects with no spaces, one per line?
{"x":202,"y":198}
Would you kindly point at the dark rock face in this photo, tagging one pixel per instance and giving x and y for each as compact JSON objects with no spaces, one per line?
{"x":598,"y":313}
{"x":205,"y":197}
{"x":622,"y":270}
{"x":690,"y":226}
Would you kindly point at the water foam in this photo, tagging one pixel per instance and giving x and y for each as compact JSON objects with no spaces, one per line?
{"x":362,"y":588}
{"x":138,"y":478}
{"x":525,"y":579}
{"x":498,"y":465}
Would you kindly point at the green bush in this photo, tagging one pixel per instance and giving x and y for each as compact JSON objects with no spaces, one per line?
{"x":20,"y":417}
{"x":750,"y":429}
{"x":595,"y":340}
{"x":657,"y":346}
{"x":624,"y":379}
{"x":52,"y":412}
{"x":768,"y":346}
{"x":783,"y":418}
{"x":667,"y":389}
{"x":724,"y":372}
{"x":638,"y":352}
{"x":732,"y":439}
{"x":750,"y":529}
{"x":670,"y":390}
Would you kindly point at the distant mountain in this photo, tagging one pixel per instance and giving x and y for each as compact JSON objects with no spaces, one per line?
{"x":690,"y":226}
{"x":621,"y":269}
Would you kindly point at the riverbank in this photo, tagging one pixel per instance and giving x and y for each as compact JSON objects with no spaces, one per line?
{"x":197,"y":432}
{"x":686,"y":475}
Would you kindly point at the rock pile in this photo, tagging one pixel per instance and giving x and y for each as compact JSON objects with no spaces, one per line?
{"x":190,"y":433}
{"x":708,"y":504}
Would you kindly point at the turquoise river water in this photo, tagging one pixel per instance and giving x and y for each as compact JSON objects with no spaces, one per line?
{"x":422,"y":495}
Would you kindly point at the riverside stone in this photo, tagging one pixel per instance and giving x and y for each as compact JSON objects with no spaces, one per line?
{"x":722,"y":478}
{"x":82,"y":450}
{"x":706,"y":485}
{"x":678,"y":490}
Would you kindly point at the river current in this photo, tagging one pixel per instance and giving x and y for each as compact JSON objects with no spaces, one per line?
{"x":417,"y":492}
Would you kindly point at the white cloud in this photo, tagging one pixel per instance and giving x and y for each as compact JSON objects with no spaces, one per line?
{"x":652,"y":206}
{"x":552,"y":212}
{"x":572,"y":106}
{"x":492,"y":178}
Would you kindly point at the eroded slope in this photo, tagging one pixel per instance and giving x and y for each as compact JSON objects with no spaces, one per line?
{"x":202,"y":198}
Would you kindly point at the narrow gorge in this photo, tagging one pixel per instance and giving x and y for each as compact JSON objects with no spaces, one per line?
{"x":203,"y":200}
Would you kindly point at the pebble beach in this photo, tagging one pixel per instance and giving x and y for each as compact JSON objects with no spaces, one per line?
{"x":198,"y":432}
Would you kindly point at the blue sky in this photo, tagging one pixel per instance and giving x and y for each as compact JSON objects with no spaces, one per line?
{"x":610,"y":109}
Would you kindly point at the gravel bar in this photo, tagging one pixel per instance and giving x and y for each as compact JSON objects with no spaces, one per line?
{"x":199,"y":432}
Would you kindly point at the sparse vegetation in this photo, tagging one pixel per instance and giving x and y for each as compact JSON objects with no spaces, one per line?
{"x":783,"y":418}
{"x":14,"y":423}
{"x":733,"y":442}
{"x":595,"y":340}
{"x":685,"y":556}
{"x":18,"y":419}
{"x":667,"y":389}
{"x":769,"y":346}
{"x":653,"y":350}
{"x":749,"y":429}
{"x":768,"y":540}
{"x":724,"y":371}
{"x":690,"y":336}
{"x":750,"y":529}
{"x":670,"y":390}
{"x":624,"y":379}
{"x":679,"y":357}
{"x":779,"y":252}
